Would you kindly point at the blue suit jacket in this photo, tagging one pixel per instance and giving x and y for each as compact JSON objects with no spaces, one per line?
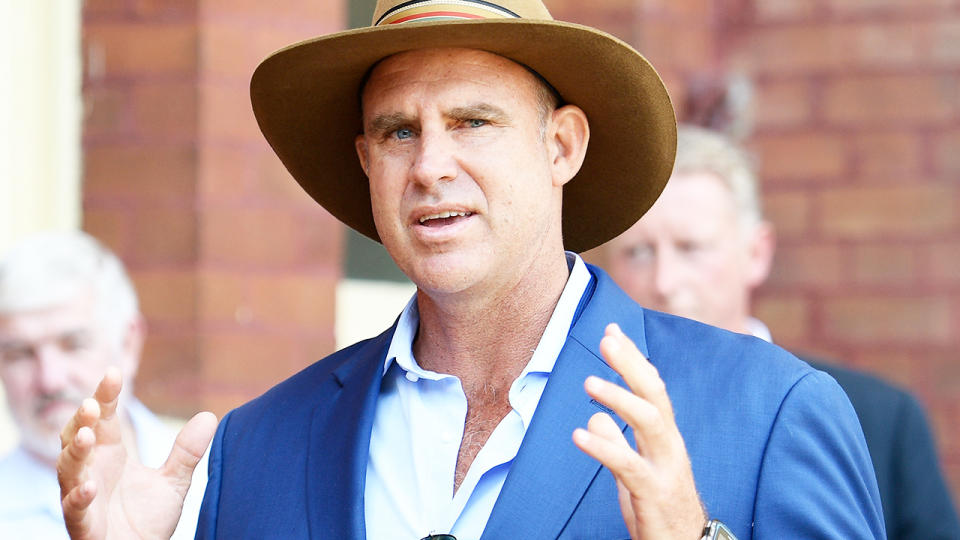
{"x":776,"y":448}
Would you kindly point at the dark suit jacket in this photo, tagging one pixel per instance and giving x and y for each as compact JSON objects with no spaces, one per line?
{"x":776,"y":448}
{"x":916,"y":501}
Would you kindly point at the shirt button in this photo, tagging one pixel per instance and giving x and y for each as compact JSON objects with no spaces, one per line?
{"x":412,"y":377}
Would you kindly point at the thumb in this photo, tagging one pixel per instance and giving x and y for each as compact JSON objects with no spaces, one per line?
{"x":191,"y":444}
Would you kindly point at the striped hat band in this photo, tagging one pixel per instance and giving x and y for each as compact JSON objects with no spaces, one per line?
{"x":437,"y":10}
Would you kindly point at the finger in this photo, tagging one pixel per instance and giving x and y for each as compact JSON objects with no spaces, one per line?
{"x":107,"y":393}
{"x":648,"y":424}
{"x":72,"y":461}
{"x":86,"y":415}
{"x":188,"y":450}
{"x":640,"y":375}
{"x":604,"y":442}
{"x":74,"y":505}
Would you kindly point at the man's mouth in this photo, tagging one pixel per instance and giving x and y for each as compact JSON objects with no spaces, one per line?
{"x":443,"y":218}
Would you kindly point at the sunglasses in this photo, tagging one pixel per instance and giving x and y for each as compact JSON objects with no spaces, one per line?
{"x":439,"y":537}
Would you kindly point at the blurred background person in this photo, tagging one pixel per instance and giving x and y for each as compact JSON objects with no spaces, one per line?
{"x":700,"y":252}
{"x":67,"y":311}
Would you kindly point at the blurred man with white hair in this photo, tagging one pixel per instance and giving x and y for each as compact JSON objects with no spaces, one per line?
{"x":67,"y":311}
{"x":700,"y":252}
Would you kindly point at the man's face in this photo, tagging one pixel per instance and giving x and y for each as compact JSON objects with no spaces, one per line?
{"x":50,"y":360}
{"x":691,"y":255}
{"x":459,"y":173}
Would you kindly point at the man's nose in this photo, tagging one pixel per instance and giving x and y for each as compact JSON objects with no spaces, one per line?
{"x":51,"y":367}
{"x":666,"y":272}
{"x":435,"y":158}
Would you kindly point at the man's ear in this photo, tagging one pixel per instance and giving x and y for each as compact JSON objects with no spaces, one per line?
{"x":131,"y":346}
{"x":763,"y":242}
{"x":567,"y":136}
{"x":360,"y":143}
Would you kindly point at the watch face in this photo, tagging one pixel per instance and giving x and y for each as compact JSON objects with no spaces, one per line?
{"x":723,"y":533}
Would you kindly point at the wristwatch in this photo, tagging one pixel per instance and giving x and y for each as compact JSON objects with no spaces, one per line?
{"x":716,"y":530}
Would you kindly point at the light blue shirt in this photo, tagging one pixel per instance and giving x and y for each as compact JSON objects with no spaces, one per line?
{"x":418,"y":426}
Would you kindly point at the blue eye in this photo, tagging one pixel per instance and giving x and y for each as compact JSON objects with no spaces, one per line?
{"x":476,"y":123}
{"x":404,"y":133}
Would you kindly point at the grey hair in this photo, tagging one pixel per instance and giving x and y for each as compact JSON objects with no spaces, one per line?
{"x":701,"y":150}
{"x":51,"y":268}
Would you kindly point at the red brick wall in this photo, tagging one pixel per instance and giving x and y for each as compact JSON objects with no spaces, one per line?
{"x":857,"y":126}
{"x":235,"y":265}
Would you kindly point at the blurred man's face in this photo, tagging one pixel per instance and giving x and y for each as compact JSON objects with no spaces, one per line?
{"x":691,"y":255}
{"x":50,"y":360}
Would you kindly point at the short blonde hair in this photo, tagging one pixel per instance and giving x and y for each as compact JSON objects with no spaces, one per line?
{"x":701,"y":150}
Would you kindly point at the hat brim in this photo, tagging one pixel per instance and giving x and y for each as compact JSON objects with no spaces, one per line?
{"x":306,"y":102}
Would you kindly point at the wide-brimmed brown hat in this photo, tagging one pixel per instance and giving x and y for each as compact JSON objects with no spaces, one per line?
{"x":306,"y":101}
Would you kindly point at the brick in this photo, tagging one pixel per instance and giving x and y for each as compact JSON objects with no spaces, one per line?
{"x":785,"y":10}
{"x":256,"y":237}
{"x":944,"y":37}
{"x":787,"y":315}
{"x":783,"y":104}
{"x":295,"y":301}
{"x":898,"y":365}
{"x":232,"y":173}
{"x":943,"y":262}
{"x":869,"y":320}
{"x":873,"y":7}
{"x":93,"y":9}
{"x":166,"y":111}
{"x":887,"y":154}
{"x":658,"y":43}
{"x":134,"y":49}
{"x":687,"y":10}
{"x":816,"y":265}
{"x":808,"y":156}
{"x":226,"y":114}
{"x":250,"y":358}
{"x":273,"y":182}
{"x":112,"y":226}
{"x":946,"y":158}
{"x":164,"y":236}
{"x":870,"y":100}
{"x":129,"y":171}
{"x":884,"y":264}
{"x":322,"y":11}
{"x":789,"y":211}
{"x":168,"y":296}
{"x":167,"y":375}
{"x":896,"y":211}
{"x":795,"y":48}
{"x":106,"y":112}
{"x":285,"y":301}
{"x":166,"y":10}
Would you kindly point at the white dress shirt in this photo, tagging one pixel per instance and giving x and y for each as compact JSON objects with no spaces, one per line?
{"x":30,"y":494}
{"x":418,"y":426}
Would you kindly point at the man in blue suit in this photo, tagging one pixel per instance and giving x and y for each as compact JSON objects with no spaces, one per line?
{"x":513,"y":397}
{"x":707,"y":268}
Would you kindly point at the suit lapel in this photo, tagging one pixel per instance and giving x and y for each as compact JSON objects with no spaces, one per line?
{"x":550,"y":475}
{"x":340,"y":442}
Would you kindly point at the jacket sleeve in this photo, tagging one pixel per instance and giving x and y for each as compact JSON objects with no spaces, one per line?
{"x":207,"y":522}
{"x":816,"y":478}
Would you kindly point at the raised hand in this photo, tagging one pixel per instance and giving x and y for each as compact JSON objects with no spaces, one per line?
{"x":658,"y":497}
{"x":104,"y":491}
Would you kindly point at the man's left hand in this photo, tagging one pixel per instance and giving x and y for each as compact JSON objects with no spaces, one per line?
{"x":658,"y":497}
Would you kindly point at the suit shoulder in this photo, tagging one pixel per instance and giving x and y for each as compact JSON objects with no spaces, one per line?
{"x":301,"y":389}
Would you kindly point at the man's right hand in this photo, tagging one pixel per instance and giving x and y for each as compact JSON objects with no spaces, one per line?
{"x":104,"y":491}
